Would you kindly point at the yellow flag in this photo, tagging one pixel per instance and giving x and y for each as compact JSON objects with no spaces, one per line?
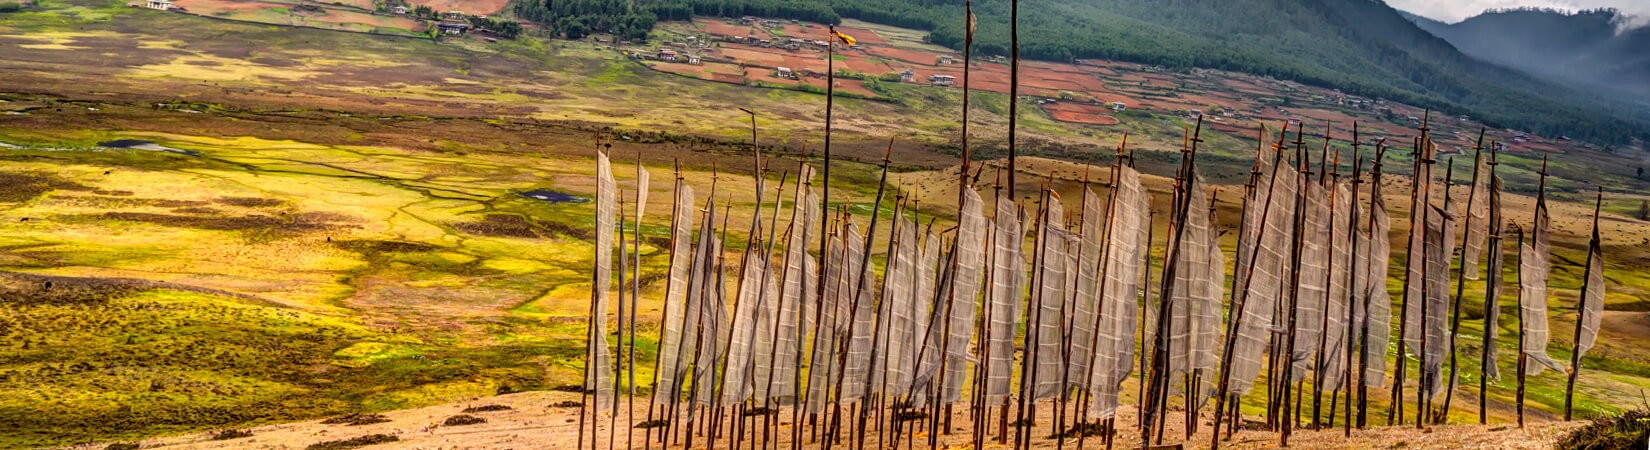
{"x":846,"y":39}
{"x":971,"y":24}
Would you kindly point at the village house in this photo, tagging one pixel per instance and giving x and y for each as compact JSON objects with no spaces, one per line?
{"x":942,"y":80}
{"x":946,"y":59}
{"x":163,"y":5}
{"x":400,"y":10}
{"x":906,"y":76}
{"x":785,"y":72}
{"x":667,"y":55}
{"x":1119,"y":106}
{"x":452,"y":28}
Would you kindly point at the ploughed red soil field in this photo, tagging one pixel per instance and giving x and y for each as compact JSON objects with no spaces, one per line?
{"x":1080,"y":113}
{"x":1234,"y":103}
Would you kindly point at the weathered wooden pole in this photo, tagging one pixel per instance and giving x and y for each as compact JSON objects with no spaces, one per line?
{"x":1581,"y":313}
{"x":1492,"y":282}
{"x":1522,"y":358}
{"x":1461,"y":283}
{"x":1235,"y":324}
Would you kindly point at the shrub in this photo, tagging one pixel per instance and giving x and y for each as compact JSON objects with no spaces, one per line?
{"x":462,"y":419}
{"x":486,"y":408}
{"x":1626,"y":430}
{"x":10,"y":7}
{"x":225,"y":435}
{"x":357,"y":419}
{"x":346,"y":444}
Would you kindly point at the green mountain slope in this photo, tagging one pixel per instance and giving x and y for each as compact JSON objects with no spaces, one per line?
{"x":1361,"y":46}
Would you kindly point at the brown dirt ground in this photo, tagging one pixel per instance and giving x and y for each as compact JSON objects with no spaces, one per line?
{"x":535,"y":420}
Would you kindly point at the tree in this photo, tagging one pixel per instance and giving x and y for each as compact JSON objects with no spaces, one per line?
{"x":1644,"y":210}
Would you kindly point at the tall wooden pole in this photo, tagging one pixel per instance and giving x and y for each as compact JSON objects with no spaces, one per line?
{"x":1013,"y":90}
{"x":1461,"y":283}
{"x":1158,"y":394}
{"x":1581,"y":313}
{"x":1352,"y":292}
{"x":1375,"y":200}
{"x":1294,"y":300}
{"x":1522,"y":358}
{"x":1416,"y":211}
{"x":1235,"y":325}
{"x":1491,"y":304}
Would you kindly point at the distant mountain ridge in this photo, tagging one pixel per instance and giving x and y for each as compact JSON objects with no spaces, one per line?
{"x":1594,"y":47}
{"x":1364,"y":47}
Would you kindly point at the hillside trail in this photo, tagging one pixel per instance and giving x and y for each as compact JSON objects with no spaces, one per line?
{"x":534,"y":423}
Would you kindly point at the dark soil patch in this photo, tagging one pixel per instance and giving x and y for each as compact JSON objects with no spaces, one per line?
{"x":22,"y":187}
{"x":502,"y":225}
{"x":356,"y":419}
{"x":200,"y":210}
{"x":486,"y":408}
{"x":462,"y":419}
{"x":30,"y":289}
{"x":1097,"y":428}
{"x":122,"y":446}
{"x":345,"y":444}
{"x":295,"y":222}
{"x":225,"y":435}
{"x":655,"y":423}
{"x":567,"y":404}
{"x":369,"y":246}
{"x":568,"y":230}
{"x":250,"y":202}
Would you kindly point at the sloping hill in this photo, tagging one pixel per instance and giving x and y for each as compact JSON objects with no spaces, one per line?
{"x":1594,"y":47}
{"x":1361,"y":46}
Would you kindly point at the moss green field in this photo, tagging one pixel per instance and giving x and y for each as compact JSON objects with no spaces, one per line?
{"x":342,"y":227}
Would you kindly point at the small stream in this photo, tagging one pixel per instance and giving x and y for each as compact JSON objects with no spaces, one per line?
{"x":145,"y":145}
{"x":554,"y":197}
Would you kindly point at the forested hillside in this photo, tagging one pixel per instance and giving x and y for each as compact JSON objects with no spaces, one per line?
{"x":1360,"y":46}
{"x":1593,"y":47}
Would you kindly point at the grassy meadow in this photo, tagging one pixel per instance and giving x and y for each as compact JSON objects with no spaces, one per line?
{"x":346,"y":231}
